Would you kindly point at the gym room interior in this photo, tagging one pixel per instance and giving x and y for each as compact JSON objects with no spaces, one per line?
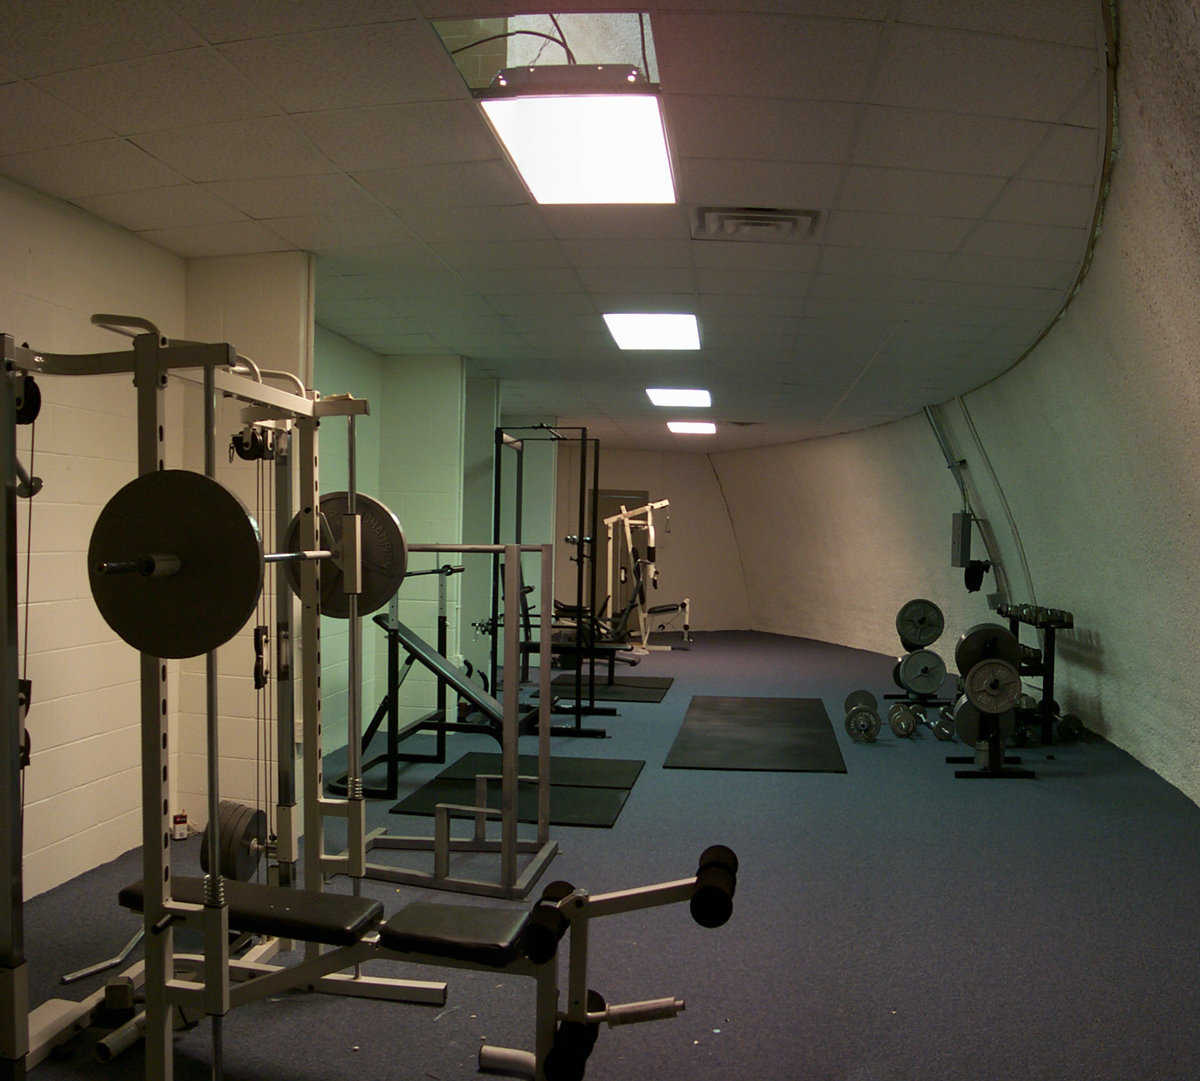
{"x":939,"y":261}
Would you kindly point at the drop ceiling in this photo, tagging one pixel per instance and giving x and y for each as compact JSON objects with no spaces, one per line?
{"x":952,"y":150}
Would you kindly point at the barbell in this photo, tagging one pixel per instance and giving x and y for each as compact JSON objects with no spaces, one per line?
{"x":175,"y":561}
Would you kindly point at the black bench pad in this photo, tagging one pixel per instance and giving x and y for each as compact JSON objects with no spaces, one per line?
{"x":480,"y":936}
{"x":333,"y":919}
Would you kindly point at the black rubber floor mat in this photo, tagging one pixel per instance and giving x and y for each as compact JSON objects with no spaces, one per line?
{"x":564,"y":770}
{"x":776,"y":734}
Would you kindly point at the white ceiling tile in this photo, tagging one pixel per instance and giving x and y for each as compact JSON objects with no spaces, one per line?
{"x":397,"y":136}
{"x":350,"y":66}
{"x":945,"y":141}
{"x":1068,"y":155}
{"x":233,"y":20}
{"x":901,"y":191}
{"x":398,"y":344}
{"x":748,"y":305}
{"x":96,"y":168}
{"x":464,"y":183}
{"x":646,"y":302}
{"x":850,"y":227}
{"x":1070,"y":22}
{"x":989,"y":295}
{"x":478,"y":223}
{"x":724,"y":182}
{"x":31,"y":119}
{"x":1027,"y":241}
{"x":929,"y":68}
{"x":161,"y":208}
{"x":230,"y":238}
{"x":914,"y":264}
{"x":737,"y":255}
{"x":390,"y":263}
{"x":867,"y":287}
{"x":758,"y":282}
{"x":541,"y":280}
{"x":524,"y":304}
{"x":40,"y":38}
{"x":469,"y":253}
{"x":195,"y":86}
{"x":649,"y":279}
{"x":627,"y":253}
{"x":1047,"y":273}
{"x":763,"y":128}
{"x":609,"y":222}
{"x":237,"y":150}
{"x":764,"y":55}
{"x":1039,"y":202}
{"x":322,"y":233}
{"x":295,"y":196}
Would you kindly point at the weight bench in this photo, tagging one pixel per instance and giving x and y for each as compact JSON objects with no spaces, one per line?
{"x":521,"y":942}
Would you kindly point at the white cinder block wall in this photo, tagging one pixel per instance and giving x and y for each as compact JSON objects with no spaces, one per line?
{"x":1095,"y":437}
{"x":698,"y":558}
{"x":81,"y":789}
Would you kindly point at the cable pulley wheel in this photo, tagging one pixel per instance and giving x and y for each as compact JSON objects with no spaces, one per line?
{"x":983,"y":642}
{"x":175,"y":563}
{"x":919,"y":623}
{"x":993,"y":685}
{"x":921,"y":672}
{"x":384,"y":554}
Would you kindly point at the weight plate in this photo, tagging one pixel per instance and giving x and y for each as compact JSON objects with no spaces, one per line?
{"x":968,"y":721}
{"x":903,"y":720}
{"x":896,"y":677}
{"x":984,"y":641}
{"x":1069,"y":728}
{"x":1026,"y":703}
{"x":943,"y":727}
{"x":384,"y":555}
{"x":919,"y":623}
{"x":993,"y":686}
{"x":921,"y":672}
{"x":863,"y":724}
{"x":208,"y":600}
{"x":246,"y":852}
{"x":860,"y":698}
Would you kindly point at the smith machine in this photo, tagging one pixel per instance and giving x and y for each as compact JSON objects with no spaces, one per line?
{"x":176,"y":566}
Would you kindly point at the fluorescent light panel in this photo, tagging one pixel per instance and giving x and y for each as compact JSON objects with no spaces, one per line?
{"x":692,"y":427}
{"x":586,"y":148}
{"x":677,"y":396}
{"x":653,"y":330}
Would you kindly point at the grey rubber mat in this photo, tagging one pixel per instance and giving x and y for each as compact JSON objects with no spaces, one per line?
{"x":776,"y":734}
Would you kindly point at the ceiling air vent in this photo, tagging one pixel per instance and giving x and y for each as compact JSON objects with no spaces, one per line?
{"x":763,"y":224}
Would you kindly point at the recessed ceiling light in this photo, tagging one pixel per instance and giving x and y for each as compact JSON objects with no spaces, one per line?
{"x":594,"y":135}
{"x":677,"y":396}
{"x":692,"y":427}
{"x":653,"y":330}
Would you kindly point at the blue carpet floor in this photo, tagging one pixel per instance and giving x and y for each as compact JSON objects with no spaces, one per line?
{"x":890,"y":922}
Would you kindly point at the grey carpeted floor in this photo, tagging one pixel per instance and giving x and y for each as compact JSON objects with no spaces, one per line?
{"x":890,"y":922}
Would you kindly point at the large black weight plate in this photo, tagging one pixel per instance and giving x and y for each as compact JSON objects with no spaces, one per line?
{"x":860,"y":698}
{"x":919,"y":623}
{"x":384,"y":555}
{"x":208,"y":600}
{"x":993,"y":686}
{"x":242,"y":831}
{"x":921,"y":672}
{"x":986,"y":641}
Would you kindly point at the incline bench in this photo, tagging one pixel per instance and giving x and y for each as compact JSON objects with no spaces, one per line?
{"x":518,"y":941}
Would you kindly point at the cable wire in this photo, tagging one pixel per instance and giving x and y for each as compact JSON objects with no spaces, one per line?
{"x":514,"y":33}
{"x":642,"y":31}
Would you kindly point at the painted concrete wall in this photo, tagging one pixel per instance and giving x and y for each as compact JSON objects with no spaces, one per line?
{"x":82,"y":787}
{"x":1095,"y":438}
{"x":698,"y":558}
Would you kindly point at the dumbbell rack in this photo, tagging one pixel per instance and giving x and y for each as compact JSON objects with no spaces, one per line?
{"x":1048,"y":621}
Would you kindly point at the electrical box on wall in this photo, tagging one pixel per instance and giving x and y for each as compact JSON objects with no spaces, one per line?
{"x":960,"y":539}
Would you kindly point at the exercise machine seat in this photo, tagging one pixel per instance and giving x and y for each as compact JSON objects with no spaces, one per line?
{"x":471,"y":933}
{"x":333,"y":919}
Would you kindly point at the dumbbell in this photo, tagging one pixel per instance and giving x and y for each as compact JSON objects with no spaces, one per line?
{"x":943,"y":727}
{"x":862,"y":717}
{"x":904,"y":719}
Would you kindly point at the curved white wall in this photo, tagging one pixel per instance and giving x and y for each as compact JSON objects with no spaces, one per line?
{"x":1095,"y":437}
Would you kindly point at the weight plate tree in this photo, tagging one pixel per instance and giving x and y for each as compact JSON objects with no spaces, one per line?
{"x":986,"y":641}
{"x":919,"y":623}
{"x":175,"y":564}
{"x":384,"y":554}
{"x":921,"y":672}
